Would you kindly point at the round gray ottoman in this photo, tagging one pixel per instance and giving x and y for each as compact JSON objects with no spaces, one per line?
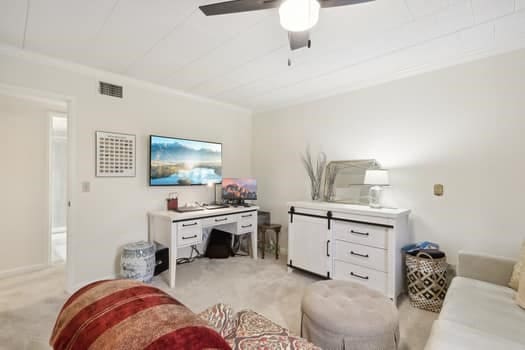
{"x":346,"y":315}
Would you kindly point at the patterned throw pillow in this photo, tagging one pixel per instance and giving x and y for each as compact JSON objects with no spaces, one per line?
{"x":221,"y":318}
{"x":516,"y":273}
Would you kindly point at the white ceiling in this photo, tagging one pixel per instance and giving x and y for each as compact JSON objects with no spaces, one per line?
{"x":242,"y":58}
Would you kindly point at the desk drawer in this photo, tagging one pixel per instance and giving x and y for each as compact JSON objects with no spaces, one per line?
{"x":217,"y":220}
{"x":189,"y":225}
{"x":362,"y":255}
{"x":189,"y":237}
{"x":247,"y":217}
{"x":246,"y":222}
{"x":371,"y":278}
{"x":246,"y":226}
{"x":371,"y":235}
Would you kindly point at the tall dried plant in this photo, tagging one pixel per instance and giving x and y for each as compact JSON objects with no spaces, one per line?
{"x":314,"y":173}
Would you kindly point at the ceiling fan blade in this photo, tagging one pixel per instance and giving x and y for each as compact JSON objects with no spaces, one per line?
{"x":234,"y":6}
{"x":335,"y":3}
{"x":298,"y":39}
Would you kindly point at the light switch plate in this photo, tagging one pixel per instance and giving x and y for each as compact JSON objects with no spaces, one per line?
{"x":438,"y":189}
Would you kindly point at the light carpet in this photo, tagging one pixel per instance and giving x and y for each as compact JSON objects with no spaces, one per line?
{"x":29,"y":304}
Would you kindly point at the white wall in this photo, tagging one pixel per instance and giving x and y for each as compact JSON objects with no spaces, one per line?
{"x":114,"y":212}
{"x":462,"y":127}
{"x":24,"y":184}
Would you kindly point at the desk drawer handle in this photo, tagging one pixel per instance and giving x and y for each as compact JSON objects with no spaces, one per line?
{"x":360,"y":233}
{"x":195,"y":236}
{"x":358,"y":276}
{"x":247,"y":216}
{"x":246,"y":226}
{"x":219,"y":220}
{"x":186,"y":225}
{"x":357,"y":254}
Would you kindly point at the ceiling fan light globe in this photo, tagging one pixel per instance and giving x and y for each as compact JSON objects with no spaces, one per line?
{"x":299,"y":15}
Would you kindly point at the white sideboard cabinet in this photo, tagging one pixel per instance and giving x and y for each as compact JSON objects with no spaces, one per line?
{"x":349,"y":242}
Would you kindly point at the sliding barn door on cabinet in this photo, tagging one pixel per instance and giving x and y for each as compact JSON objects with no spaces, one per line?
{"x":309,"y":244}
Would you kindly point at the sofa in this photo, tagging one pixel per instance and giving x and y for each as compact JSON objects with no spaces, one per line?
{"x":479,"y":311}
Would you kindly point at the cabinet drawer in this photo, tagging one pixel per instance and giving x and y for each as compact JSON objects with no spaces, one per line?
{"x":218,"y":220}
{"x":371,"y":278}
{"x":362,"y":255}
{"x":375,"y":236}
{"x":189,"y":237}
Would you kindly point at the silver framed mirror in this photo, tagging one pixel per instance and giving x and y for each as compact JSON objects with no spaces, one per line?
{"x":344,"y":181}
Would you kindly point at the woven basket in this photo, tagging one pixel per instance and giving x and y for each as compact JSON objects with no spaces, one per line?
{"x":427,"y":280}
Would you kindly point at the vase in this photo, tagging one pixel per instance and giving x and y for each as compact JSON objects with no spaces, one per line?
{"x":137,"y":261}
{"x":316,"y":191}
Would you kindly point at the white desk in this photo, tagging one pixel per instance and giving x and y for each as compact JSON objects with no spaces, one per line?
{"x":178,"y":230}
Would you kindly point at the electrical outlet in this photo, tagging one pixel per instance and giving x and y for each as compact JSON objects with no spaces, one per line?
{"x":86,"y":186}
{"x":438,"y":190}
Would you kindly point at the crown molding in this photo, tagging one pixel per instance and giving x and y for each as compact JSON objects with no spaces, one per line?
{"x":31,"y":56}
{"x":59,"y":103}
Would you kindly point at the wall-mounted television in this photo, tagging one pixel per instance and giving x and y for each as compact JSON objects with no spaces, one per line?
{"x":183,"y":162}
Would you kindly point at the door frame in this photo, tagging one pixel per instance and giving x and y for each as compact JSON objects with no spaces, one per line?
{"x":70,"y":101}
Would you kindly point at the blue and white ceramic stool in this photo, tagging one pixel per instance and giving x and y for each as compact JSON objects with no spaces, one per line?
{"x":138,"y":261}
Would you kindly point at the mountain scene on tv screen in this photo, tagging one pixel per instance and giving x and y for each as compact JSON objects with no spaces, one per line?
{"x":184,"y":162}
{"x":239,"y":189}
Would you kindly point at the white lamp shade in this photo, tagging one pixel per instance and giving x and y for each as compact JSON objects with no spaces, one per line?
{"x":299,"y":15}
{"x":377,"y":177}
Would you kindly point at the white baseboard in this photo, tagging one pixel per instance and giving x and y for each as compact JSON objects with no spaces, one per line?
{"x":77,"y":286}
{"x":21,"y":270}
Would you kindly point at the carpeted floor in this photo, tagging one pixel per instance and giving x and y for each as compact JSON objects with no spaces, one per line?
{"x":30,"y":303}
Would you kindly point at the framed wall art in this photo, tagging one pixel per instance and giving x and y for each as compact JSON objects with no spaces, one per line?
{"x":115,"y":154}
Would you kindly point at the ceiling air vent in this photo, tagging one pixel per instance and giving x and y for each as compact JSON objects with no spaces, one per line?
{"x":110,"y":89}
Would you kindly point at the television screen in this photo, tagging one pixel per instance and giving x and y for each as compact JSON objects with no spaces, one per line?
{"x":236,"y":189}
{"x":181,"y":162}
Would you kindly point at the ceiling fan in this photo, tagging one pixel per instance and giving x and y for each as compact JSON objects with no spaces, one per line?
{"x":296,"y":16}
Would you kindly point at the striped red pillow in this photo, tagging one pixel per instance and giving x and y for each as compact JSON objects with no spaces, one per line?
{"x":125,"y":314}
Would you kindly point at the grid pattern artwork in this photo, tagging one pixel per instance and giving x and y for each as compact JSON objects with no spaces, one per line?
{"x":115,"y":154}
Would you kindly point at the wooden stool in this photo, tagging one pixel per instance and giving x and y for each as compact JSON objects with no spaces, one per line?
{"x":270,"y":227}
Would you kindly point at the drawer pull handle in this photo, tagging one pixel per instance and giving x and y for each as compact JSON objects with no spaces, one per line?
{"x":327,"y":248}
{"x":186,"y":225}
{"x":246,"y":226}
{"x":358,"y":276}
{"x":195,"y":236}
{"x":357,"y":254}
{"x":247,"y":216}
{"x":219,"y":220}
{"x":360,"y":233}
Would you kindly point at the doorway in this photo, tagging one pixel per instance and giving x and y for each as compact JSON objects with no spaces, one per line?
{"x":58,"y":146}
{"x":34,"y":217}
